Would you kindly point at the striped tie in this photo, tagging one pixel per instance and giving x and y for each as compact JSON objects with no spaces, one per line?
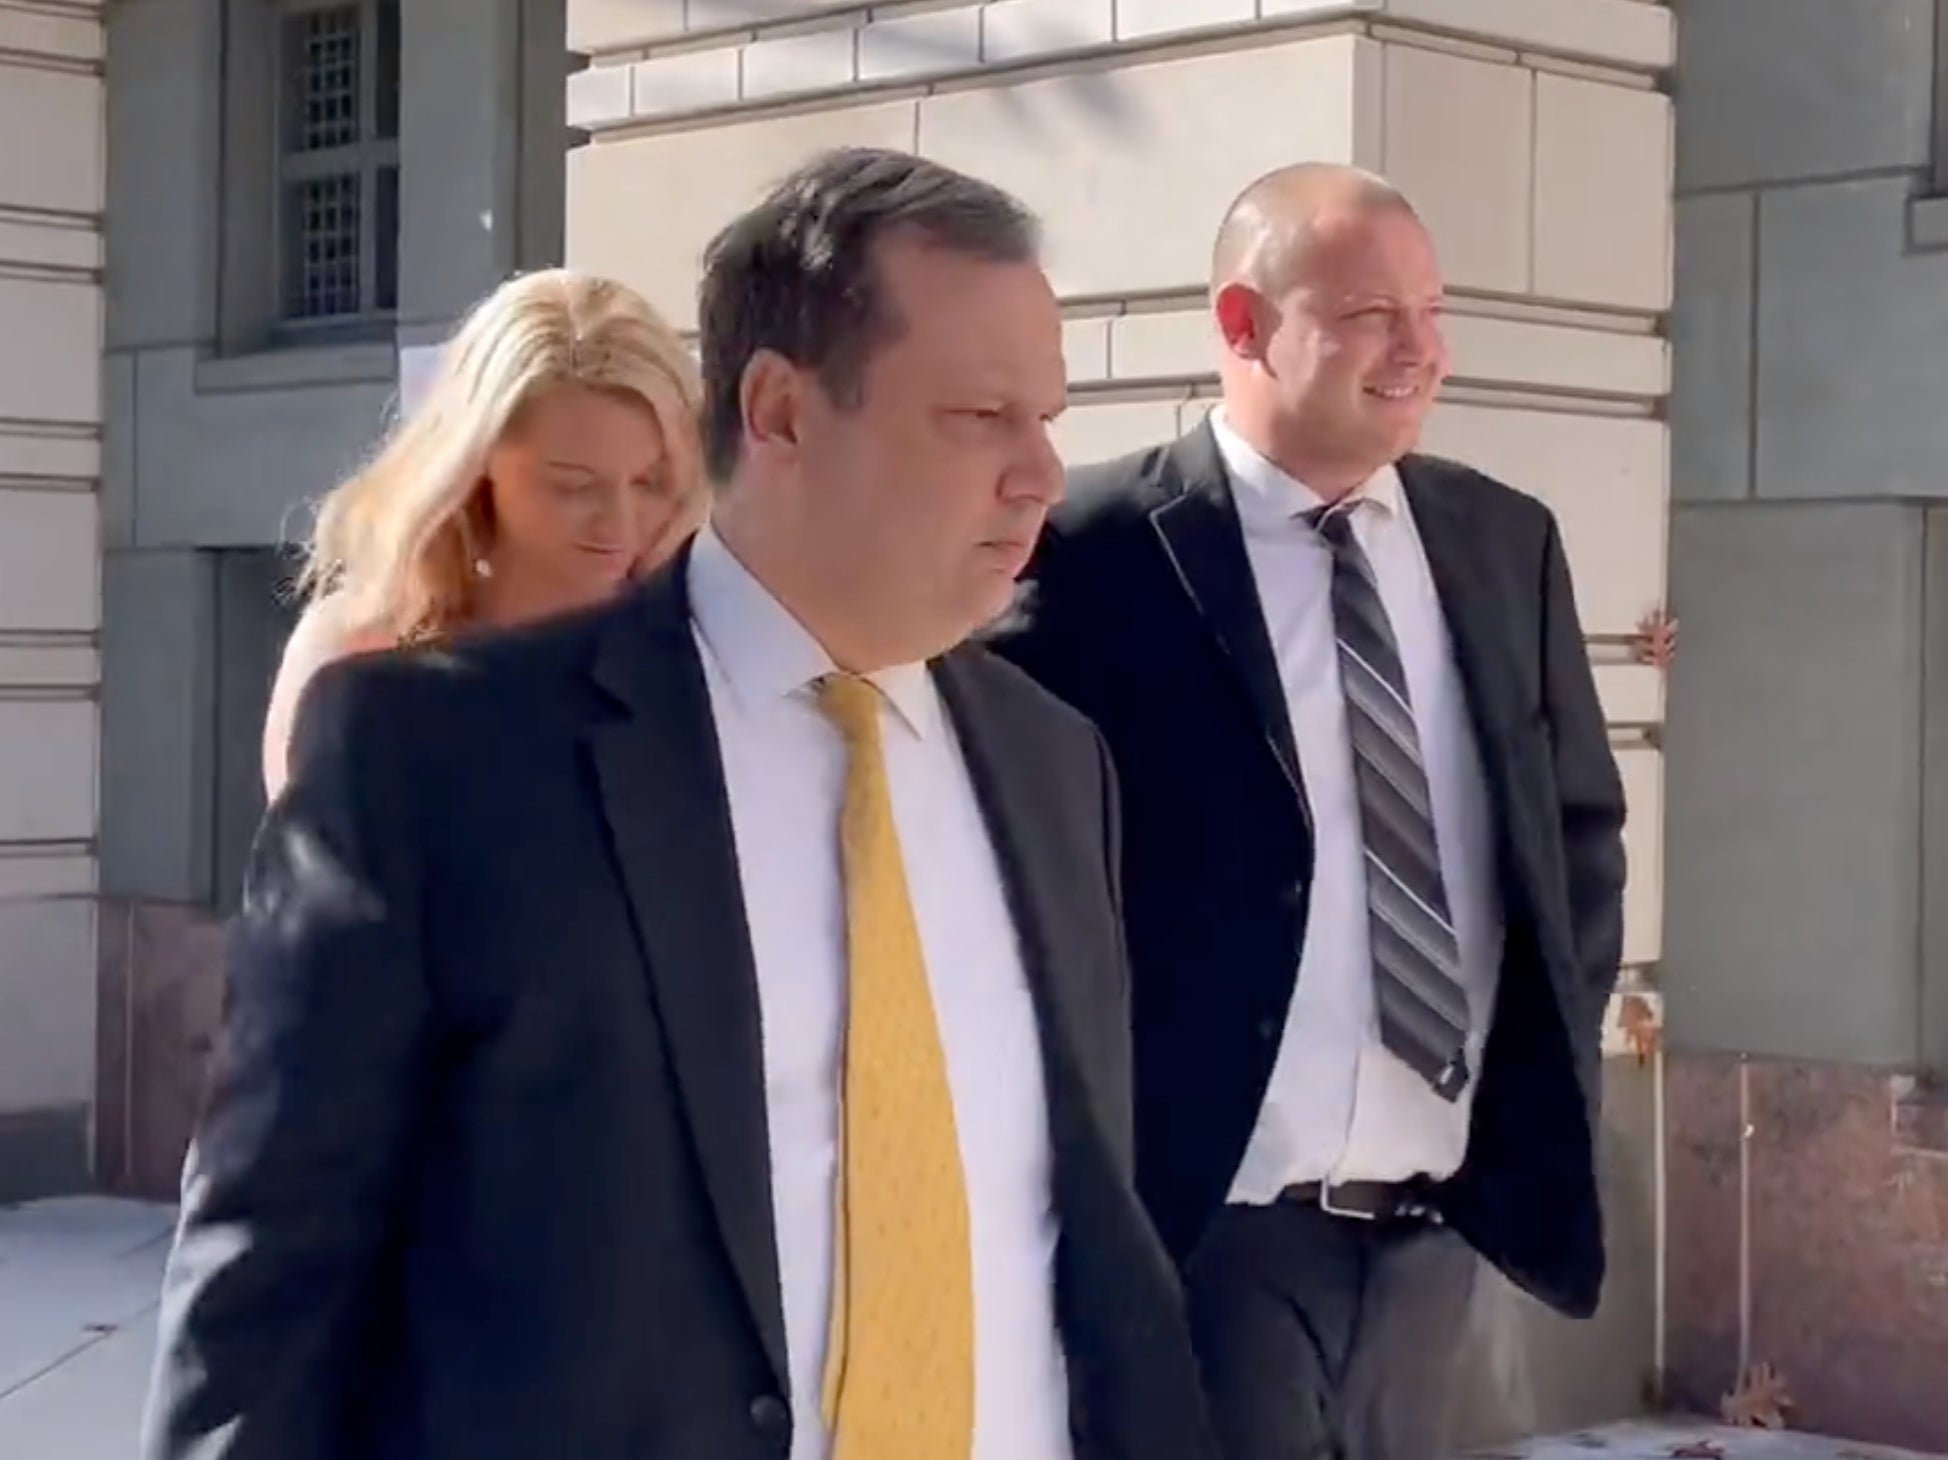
{"x":1416,"y":962}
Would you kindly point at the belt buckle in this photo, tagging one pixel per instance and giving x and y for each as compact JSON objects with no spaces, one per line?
{"x":1333,"y":1209}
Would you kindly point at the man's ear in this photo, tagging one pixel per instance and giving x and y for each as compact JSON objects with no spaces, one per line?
{"x":771,"y":400}
{"x":1242,"y":315}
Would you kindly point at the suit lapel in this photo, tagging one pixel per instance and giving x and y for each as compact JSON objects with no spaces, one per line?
{"x":1107,"y":1260}
{"x":1015,"y":788}
{"x":1478,"y":620}
{"x":1201,"y":535}
{"x":1476,"y":626}
{"x":662,"y":789}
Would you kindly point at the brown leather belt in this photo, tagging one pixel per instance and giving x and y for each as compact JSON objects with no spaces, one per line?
{"x":1365,"y":1201}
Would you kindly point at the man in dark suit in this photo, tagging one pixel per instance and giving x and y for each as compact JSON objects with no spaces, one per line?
{"x":698,"y":1029}
{"x":1373,"y":861}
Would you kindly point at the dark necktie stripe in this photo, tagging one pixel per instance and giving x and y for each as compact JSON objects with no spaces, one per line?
{"x":1393,"y":758}
{"x":1416,"y":963}
{"x":1363,"y":683}
{"x":1411,"y":947}
{"x":1401,"y":839}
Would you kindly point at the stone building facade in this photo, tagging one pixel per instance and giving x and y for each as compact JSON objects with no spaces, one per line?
{"x":51,"y":464}
{"x":297,"y":193}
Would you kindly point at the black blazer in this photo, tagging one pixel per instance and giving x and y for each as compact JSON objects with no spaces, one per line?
{"x":1141,"y":612}
{"x":483,"y":1173}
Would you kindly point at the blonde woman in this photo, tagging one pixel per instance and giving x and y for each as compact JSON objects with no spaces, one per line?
{"x":553,"y":457}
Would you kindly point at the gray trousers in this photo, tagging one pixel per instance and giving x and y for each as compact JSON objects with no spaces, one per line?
{"x":1327,"y":1338}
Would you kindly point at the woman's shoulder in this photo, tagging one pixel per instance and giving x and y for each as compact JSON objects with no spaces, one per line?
{"x":326,"y":631}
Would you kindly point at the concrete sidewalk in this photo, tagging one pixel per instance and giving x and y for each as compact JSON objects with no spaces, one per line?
{"x":78,"y":1284}
{"x":1677,"y":1440}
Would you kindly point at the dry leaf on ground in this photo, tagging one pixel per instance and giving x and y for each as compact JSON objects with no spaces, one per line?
{"x":1761,"y":1400}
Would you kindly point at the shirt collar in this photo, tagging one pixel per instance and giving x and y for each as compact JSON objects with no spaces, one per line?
{"x":1267,"y":493}
{"x":767,"y":655}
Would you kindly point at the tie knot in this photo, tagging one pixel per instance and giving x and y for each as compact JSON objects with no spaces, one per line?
{"x":852,"y":704}
{"x":1334,"y":523}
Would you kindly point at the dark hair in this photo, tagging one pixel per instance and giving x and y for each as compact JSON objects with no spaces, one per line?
{"x":797,"y":274}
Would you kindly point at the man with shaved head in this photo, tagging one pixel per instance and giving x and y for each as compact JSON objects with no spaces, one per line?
{"x":1372,"y":861}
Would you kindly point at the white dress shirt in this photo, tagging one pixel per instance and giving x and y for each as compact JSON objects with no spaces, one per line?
{"x":784,"y":763}
{"x":1340,"y":1106}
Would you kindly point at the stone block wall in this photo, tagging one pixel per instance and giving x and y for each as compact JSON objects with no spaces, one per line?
{"x":51,"y":204}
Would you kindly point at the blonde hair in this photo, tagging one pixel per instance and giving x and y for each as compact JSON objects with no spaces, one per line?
{"x":394,"y":546}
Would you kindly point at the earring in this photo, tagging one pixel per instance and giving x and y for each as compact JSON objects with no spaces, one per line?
{"x":482,"y":568}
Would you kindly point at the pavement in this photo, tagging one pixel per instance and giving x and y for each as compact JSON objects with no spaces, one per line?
{"x":78,"y":1285}
{"x":1676,"y":1439}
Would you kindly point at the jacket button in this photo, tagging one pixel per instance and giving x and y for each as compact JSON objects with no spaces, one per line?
{"x":769,"y":1414}
{"x":1268,"y":1030}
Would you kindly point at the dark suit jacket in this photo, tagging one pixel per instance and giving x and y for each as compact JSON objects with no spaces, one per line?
{"x":1140,"y":611}
{"x":483,"y":1173}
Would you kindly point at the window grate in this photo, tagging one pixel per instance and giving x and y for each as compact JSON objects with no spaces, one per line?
{"x":323,"y":277}
{"x":338,"y":192}
{"x":325,"y":76}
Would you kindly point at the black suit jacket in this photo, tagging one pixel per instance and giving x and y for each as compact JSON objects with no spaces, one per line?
{"x":1140,"y":611}
{"x":483,"y":1173}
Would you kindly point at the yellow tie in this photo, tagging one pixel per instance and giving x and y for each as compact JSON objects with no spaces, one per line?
{"x":899,"y":1376}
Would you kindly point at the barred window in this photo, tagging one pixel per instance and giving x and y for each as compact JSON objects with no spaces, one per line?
{"x":338,"y":172}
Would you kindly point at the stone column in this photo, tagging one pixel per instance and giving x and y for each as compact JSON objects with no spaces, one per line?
{"x":1807,"y":972}
{"x":482,"y":142}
